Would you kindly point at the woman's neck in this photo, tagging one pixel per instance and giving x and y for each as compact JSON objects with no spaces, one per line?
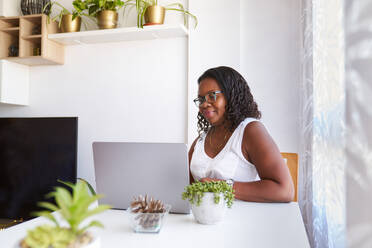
{"x":222,"y":128}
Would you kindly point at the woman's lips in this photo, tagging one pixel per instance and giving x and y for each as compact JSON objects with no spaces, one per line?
{"x":208,"y":113}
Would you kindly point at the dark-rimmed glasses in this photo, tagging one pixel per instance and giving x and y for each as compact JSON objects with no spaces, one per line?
{"x":210,"y":97}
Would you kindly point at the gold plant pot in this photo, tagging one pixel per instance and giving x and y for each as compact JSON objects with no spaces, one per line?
{"x":154,"y":15}
{"x":107,"y":19}
{"x":69,"y":25}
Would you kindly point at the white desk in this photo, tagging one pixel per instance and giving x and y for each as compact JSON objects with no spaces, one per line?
{"x":245,"y":225}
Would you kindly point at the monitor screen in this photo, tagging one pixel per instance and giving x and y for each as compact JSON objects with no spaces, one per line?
{"x":34,"y":154}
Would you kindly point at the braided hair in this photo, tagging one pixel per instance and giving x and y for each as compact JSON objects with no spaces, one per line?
{"x":240,"y":102}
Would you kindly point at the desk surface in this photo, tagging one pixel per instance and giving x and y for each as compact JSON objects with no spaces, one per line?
{"x":246,"y":224}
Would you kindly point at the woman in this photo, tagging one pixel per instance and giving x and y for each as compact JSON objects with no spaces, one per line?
{"x":233,"y":145}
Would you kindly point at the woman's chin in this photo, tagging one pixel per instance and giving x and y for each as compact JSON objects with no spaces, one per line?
{"x":214,"y":122}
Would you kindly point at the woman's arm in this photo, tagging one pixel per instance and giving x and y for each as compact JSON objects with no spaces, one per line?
{"x":191,"y":151}
{"x":276,"y":184}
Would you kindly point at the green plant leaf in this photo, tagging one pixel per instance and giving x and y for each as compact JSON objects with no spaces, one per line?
{"x":48,"y":236}
{"x":142,"y":16}
{"x":97,"y":210}
{"x":194,"y":193}
{"x":91,"y":189}
{"x":185,"y":12}
{"x":71,"y":185}
{"x":48,"y":205}
{"x":91,"y":224}
{"x":92,"y":10}
{"x":73,"y":208}
{"x":64,"y":200}
{"x":83,"y":204}
{"x":47,"y":215}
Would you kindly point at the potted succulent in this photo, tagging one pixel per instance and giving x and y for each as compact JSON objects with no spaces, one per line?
{"x":73,"y":209}
{"x":67,"y":21}
{"x":150,"y":13}
{"x":147,"y":214}
{"x":209,"y":200}
{"x":106,"y":11}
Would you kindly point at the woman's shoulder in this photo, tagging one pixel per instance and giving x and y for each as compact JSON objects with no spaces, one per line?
{"x":247,"y":123}
{"x":250,"y":122}
{"x":255,"y":133}
{"x":253,"y":125}
{"x":197,"y":140}
{"x":201,"y":136}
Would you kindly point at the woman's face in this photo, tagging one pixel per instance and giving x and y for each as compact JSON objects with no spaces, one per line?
{"x":213,"y":111}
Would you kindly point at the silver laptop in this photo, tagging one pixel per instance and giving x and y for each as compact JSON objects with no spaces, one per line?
{"x":124,"y":170}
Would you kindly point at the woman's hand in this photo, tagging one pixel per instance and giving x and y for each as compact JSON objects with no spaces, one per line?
{"x":208,"y":179}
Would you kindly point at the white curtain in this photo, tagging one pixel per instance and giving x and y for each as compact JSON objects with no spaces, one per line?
{"x":322,"y":167}
{"x":358,"y":29}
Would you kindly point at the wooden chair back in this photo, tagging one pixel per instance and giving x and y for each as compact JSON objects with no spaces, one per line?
{"x":292,"y":163}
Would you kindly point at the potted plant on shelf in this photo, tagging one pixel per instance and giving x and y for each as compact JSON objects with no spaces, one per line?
{"x":72,"y":209}
{"x":106,"y":11}
{"x":209,"y":200}
{"x":67,"y":21}
{"x":150,"y":13}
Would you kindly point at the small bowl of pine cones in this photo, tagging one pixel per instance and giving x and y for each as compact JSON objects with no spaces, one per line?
{"x":147,"y":214}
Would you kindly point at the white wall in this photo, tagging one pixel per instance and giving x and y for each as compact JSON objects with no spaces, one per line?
{"x":260,"y":39}
{"x":10,"y":8}
{"x":130,"y":91}
{"x":270,"y":62}
{"x":213,"y":43}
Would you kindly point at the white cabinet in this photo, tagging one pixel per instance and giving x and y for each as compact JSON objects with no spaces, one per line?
{"x":14,"y":83}
{"x":10,"y":7}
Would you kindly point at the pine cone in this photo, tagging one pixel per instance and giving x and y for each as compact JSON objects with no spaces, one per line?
{"x":143,"y":205}
{"x":148,"y":211}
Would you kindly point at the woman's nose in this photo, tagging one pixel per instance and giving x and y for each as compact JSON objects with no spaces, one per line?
{"x":205,"y":104}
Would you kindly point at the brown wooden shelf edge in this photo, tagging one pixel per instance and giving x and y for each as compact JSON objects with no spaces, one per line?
{"x":31,"y":37}
{"x":33,"y":60}
{"x":29,"y":33}
{"x":9,"y":29}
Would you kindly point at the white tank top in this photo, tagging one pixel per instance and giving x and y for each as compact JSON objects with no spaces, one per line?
{"x":229,"y":163}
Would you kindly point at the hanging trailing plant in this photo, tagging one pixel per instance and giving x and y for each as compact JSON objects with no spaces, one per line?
{"x":194,"y":193}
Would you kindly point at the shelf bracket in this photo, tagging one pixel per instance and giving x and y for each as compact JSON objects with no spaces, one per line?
{"x":155,"y":35}
{"x":79,"y":42}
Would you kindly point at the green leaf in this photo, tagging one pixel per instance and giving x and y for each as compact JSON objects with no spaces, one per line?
{"x":71,"y":185}
{"x":47,"y":236}
{"x":194,"y":193}
{"x":91,"y":224}
{"x":97,"y":210}
{"x":185,"y":13}
{"x":64,"y":201}
{"x":93,"y":10}
{"x":75,"y":15}
{"x":73,"y":208}
{"x":47,"y":215}
{"x":48,"y":205}
{"x":142,"y":15}
{"x":79,"y":191}
{"x":83,"y":204}
{"x":91,"y":189}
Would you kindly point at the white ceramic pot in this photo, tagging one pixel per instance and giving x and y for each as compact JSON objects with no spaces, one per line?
{"x":96,"y":243}
{"x":209,"y":212}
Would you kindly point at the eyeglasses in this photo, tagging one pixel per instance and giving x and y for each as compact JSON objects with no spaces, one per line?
{"x":210,"y":97}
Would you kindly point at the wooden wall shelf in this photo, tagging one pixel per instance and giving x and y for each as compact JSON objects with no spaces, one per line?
{"x":30,"y":34}
{"x":120,"y":34}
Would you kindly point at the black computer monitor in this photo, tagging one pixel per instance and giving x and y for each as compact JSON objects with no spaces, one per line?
{"x":34,"y":154}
